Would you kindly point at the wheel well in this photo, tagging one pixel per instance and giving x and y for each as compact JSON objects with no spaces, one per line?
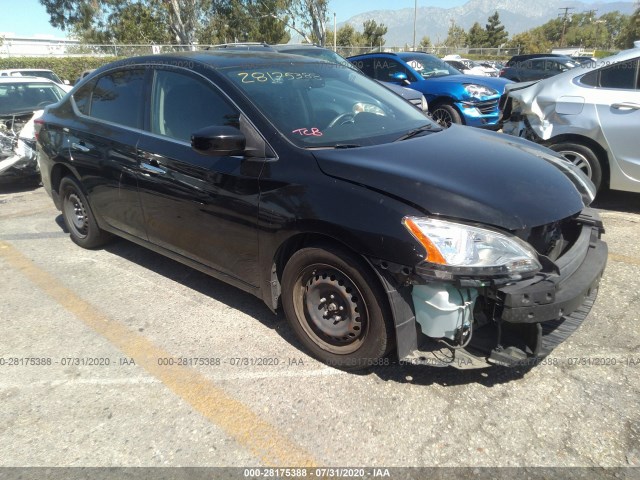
{"x":446,"y":101}
{"x":600,"y":152}
{"x":440,"y":101}
{"x":58,"y":172}
{"x":303,"y":240}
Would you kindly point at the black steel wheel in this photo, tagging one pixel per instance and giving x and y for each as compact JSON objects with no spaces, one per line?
{"x":445,"y":115}
{"x":78,"y":217}
{"x":336,"y":308}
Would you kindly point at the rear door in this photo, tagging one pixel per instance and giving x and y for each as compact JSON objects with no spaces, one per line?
{"x":618,"y":107}
{"x":102,"y":146}
{"x":199,"y":206}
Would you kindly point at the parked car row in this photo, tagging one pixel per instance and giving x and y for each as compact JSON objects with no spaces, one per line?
{"x":321,"y":192}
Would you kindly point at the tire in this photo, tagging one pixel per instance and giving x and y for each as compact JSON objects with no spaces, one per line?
{"x":445,"y":115}
{"x":584,"y":158}
{"x":335,"y":306}
{"x":78,"y":216}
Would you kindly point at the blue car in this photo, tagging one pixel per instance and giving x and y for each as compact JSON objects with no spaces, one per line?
{"x":452,"y":96}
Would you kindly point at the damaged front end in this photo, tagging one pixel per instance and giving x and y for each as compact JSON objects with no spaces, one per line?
{"x":543,"y":110}
{"x":18,"y":160}
{"x":486,"y":297}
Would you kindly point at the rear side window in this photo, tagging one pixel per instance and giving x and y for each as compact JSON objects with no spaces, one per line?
{"x":182,"y":104}
{"x":623,"y":75}
{"x":82,"y":98}
{"x":118,"y":98}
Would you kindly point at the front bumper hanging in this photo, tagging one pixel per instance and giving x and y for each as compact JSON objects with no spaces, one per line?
{"x":524,"y":320}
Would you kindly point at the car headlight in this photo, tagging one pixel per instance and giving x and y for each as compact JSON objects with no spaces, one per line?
{"x":473,"y":251}
{"x":479,"y":91}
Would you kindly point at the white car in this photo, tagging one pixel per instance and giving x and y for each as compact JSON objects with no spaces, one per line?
{"x":22,"y":100}
{"x":36,"y":72}
{"x":589,"y":114}
{"x":470,"y":67}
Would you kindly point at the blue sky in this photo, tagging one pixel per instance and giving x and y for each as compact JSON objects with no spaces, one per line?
{"x":29,"y":17}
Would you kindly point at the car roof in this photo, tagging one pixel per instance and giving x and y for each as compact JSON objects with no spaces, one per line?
{"x":26,"y":80}
{"x":12,"y":70}
{"x":216,"y":59}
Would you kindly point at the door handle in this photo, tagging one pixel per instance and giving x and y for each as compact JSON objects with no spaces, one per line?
{"x":80,"y":147}
{"x":152,"y":168}
{"x":626,"y":106}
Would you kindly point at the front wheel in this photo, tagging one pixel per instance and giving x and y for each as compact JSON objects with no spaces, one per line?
{"x":582,"y":157}
{"x":445,"y":115}
{"x":78,"y":217}
{"x":336,"y":307}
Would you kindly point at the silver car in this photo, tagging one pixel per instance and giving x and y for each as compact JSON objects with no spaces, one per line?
{"x":589,"y":114}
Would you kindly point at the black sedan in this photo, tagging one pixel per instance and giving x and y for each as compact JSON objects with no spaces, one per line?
{"x":322,"y":193}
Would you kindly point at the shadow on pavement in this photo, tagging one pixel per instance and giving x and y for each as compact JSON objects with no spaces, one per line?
{"x":254,"y":307}
{"x":23,"y":186}
{"x":618,"y":201}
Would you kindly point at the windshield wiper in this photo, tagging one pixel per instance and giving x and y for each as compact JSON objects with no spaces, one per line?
{"x":417,"y":131}
{"x":346,"y":145}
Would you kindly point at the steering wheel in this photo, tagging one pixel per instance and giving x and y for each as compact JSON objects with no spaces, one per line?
{"x":44,"y":104}
{"x":342,"y":119}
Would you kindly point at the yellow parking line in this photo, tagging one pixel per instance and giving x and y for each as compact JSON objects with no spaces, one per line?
{"x":263,"y":440}
{"x":624,"y":259}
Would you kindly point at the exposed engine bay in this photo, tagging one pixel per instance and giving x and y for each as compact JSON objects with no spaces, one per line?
{"x":18,"y":145}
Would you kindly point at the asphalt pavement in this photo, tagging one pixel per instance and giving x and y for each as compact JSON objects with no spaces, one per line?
{"x":119,"y":357}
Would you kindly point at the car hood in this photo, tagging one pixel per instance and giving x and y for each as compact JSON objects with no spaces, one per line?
{"x":464,"y":173}
{"x":496,"y":83}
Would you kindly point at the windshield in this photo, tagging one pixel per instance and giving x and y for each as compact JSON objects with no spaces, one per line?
{"x":430,"y":66}
{"x":42,"y":74}
{"x":327,"y":105}
{"x":26,"y":97}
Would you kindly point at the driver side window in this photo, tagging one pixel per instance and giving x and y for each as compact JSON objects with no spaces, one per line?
{"x":182,"y":104}
{"x":384,"y":68}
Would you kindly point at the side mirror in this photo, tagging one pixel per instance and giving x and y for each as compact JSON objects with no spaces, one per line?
{"x":219,"y":140}
{"x":399,"y":77}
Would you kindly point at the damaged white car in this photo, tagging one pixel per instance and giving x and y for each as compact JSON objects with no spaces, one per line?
{"x":590,"y":115}
{"x":22,"y":100}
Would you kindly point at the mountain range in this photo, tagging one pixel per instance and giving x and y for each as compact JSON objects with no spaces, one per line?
{"x":516,"y":15}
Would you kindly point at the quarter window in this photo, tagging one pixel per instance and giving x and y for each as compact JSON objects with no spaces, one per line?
{"x":82,"y":98}
{"x":182,"y":104}
{"x":623,"y":75}
{"x":118,"y":98}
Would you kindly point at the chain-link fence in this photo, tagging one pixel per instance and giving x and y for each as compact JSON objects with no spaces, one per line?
{"x":72,"y":49}
{"x":439,"y":51}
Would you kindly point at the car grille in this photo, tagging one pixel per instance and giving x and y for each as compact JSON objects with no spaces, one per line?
{"x":490,"y":106}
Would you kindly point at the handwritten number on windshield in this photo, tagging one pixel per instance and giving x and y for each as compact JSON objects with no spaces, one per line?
{"x":308,"y":132}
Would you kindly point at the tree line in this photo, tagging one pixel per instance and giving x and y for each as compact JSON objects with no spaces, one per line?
{"x":186,"y":22}
{"x":610,"y":31}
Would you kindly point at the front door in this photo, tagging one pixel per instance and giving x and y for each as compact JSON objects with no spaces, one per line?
{"x":199,"y":206}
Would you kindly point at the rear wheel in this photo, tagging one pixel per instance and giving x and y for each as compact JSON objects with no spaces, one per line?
{"x":582,"y":157}
{"x":78,"y":217}
{"x":336,"y":307}
{"x":445,"y":115}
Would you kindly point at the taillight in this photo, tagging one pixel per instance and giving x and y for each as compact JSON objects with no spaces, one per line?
{"x":37,"y":125}
{"x":501,"y":72}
